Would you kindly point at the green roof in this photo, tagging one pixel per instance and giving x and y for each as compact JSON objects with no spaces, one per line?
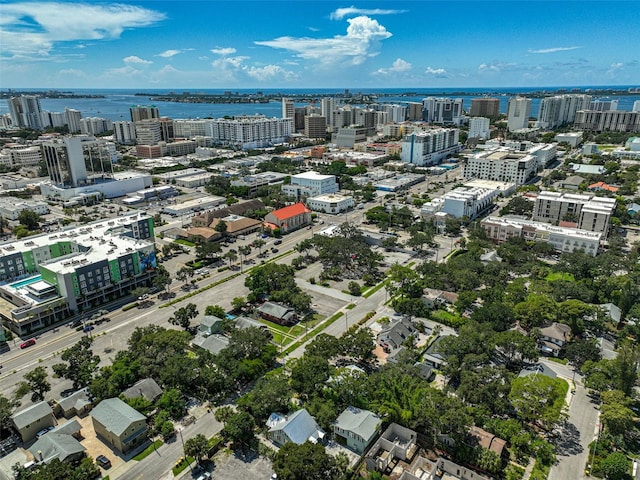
{"x":361,"y":422}
{"x":116,"y":415}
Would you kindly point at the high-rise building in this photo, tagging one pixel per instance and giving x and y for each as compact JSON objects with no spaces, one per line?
{"x":53,"y":119}
{"x":166,"y":129}
{"x":143,"y":112}
{"x":561,"y":109}
{"x":518,"y":113}
{"x":26,"y":112}
{"x":602,"y":105}
{"x":327,"y":106}
{"x":479,"y":128}
{"x":75,"y":161}
{"x":397,"y":113}
{"x":611,"y":120}
{"x":315,"y":126}
{"x":72,"y":117}
{"x":429,"y":147}
{"x":124,"y":132}
{"x":587,"y":211}
{"x":636,"y":106}
{"x":444,"y":111}
{"x":95,"y":125}
{"x":148,"y":132}
{"x":288,"y":108}
{"x":501,"y":165}
{"x":485,"y":107}
{"x":414,"y":111}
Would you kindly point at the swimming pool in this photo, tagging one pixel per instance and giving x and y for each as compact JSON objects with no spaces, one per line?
{"x":26,"y":281}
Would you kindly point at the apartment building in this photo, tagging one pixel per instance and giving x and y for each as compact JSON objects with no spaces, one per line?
{"x":613,"y":120}
{"x":561,"y":109}
{"x":484,"y":107}
{"x":501,"y":165}
{"x":479,"y":128}
{"x":26,"y":111}
{"x":95,"y":125}
{"x":143,"y":112}
{"x":518,"y":113}
{"x":315,"y":126}
{"x":443,"y":111}
{"x":587,"y":212}
{"x":429,"y":147}
{"x":124,"y":132}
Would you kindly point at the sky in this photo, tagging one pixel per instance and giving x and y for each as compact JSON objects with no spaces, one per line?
{"x":318,"y":44}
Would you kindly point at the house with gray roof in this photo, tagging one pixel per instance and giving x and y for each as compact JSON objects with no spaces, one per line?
{"x":210,"y":324}
{"x":356,"y":428}
{"x":297,"y":427}
{"x":53,"y":445}
{"x":119,"y":425}
{"x":147,"y":388}
{"x":553,"y":338}
{"x":280,"y":314}
{"x":243,"y":322}
{"x":72,"y":427}
{"x":612,"y":311}
{"x":78,"y":403}
{"x":433,"y":356}
{"x":571,"y":183}
{"x":213,"y":343}
{"x":31,"y":420}
{"x":395,"y":334}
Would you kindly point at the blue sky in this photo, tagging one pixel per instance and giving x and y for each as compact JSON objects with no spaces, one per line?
{"x":315,"y":44}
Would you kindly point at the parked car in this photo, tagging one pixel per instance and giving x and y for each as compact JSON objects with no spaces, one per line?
{"x":103,"y":461}
{"x":43,"y":432}
{"x":277,"y":242}
{"x":274,"y":250}
{"x":67,"y":392}
{"x":75,"y":324}
{"x":88,"y":328}
{"x":143,"y":297}
{"x":28,"y":343}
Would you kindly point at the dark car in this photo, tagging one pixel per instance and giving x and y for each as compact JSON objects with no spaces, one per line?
{"x":67,"y":392}
{"x":277,"y":242}
{"x":88,"y":328}
{"x":274,"y":250}
{"x":75,"y":324}
{"x":28,"y":343}
{"x":103,"y":461}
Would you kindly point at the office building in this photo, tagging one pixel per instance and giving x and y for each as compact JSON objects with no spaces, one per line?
{"x":26,"y":112}
{"x":429,"y":147}
{"x":501,"y":165}
{"x":310,"y":184}
{"x":148,"y":132}
{"x":587,"y":212}
{"x":518,"y":113}
{"x":16,"y":155}
{"x":124,"y":132}
{"x":74,"y":161}
{"x":444,"y":111}
{"x":95,"y":125}
{"x":612,"y":120}
{"x":73,"y":117}
{"x":365,"y":117}
{"x":479,"y":128}
{"x":288,"y":108}
{"x":50,"y":277}
{"x":485,"y":107}
{"x":143,"y":112}
{"x":332,"y":203}
{"x":561,"y":109}
{"x":563,"y":239}
{"x":347,"y":137}
{"x":315,"y":126}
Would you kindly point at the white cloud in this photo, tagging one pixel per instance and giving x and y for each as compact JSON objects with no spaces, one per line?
{"x":229,"y":62}
{"x":495,"y":66}
{"x":340,"y":13}
{"x":136,"y":60}
{"x":362,"y":40}
{"x":553,"y":50}
{"x":224,"y":51}
{"x":435,"y":71}
{"x":36,"y":27}
{"x":172,"y":53}
{"x":614,"y":68}
{"x":399,"y":66}
{"x":270,"y":72}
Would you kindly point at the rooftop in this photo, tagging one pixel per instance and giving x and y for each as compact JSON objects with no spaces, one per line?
{"x":116,"y":415}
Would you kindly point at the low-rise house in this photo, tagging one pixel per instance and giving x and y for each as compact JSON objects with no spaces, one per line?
{"x":147,"y":388}
{"x":78,"y":403}
{"x":297,"y":427}
{"x":433,"y":356}
{"x":442,"y":469}
{"x":289,"y":218}
{"x":54,"y":445}
{"x":394,"y":335}
{"x":242,"y":323}
{"x":612,"y":312}
{"x":119,"y":425}
{"x":213,"y":343}
{"x":201,"y":234}
{"x":237,"y":225}
{"x":280,"y":314}
{"x":210,"y":324}
{"x":434,"y":298}
{"x":397,"y":443}
{"x":356,"y":428}
{"x":572,"y":182}
{"x":553,"y":338}
{"x":601,"y":186}
{"x":31,"y":420}
{"x":488,"y":440}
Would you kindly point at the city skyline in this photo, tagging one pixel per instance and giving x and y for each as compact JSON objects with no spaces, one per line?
{"x":260,"y":44}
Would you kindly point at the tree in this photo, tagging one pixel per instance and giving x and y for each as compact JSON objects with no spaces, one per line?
{"x":354,"y":288}
{"x":82,"y":363}
{"x":308,"y":374}
{"x":57,"y":470}
{"x":238,"y":304}
{"x":616,"y":466}
{"x":535,"y":311}
{"x":538,"y":398}
{"x":184,"y":274}
{"x":308,"y":461}
{"x":517,"y":206}
{"x":197,"y":447}
{"x":184,"y":315}
{"x":162,"y":279}
{"x":615,"y":413}
{"x":239,"y":428}
{"x":516,"y":348}
{"x":29,"y":219}
{"x":173,"y":403}
{"x":221,"y":227}
{"x":625,"y":366}
{"x":272,"y":393}
{"x":6,"y":410}
{"x":231,"y":255}
{"x":207,"y":250}
{"x":258,"y":243}
{"x":35,"y":382}
{"x":579,"y":351}
{"x":139,"y":292}
{"x":216,"y":311}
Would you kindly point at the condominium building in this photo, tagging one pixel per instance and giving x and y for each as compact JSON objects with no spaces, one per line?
{"x":636,"y":106}
{"x":332,"y":203}
{"x":143,"y":112}
{"x":327,"y":106}
{"x":10,"y":209}
{"x":26,"y":112}
{"x":563,"y":239}
{"x":148,"y":132}
{"x":501,"y":165}
{"x":414,"y":111}
{"x":288,"y":108}
{"x":445,"y":111}
{"x":250,"y":131}
{"x":315,"y":126}
{"x":602,"y":105}
{"x":613,"y":120}
{"x":22,"y":155}
{"x":396,"y":113}
{"x":124,"y":132}
{"x":190,"y":128}
{"x":95,"y":125}
{"x":429,"y":147}
{"x":587,"y":212}
{"x":479,"y":127}
{"x":73,"y":117}
{"x":50,"y":277}
{"x":310,"y":184}
{"x":53,"y":119}
{"x":484,"y":107}
{"x":561,"y":109}
{"x":518,"y":113}
{"x":469,"y":202}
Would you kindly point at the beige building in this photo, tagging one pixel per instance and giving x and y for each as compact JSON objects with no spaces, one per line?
{"x":120,"y":426}
{"x":501,"y":165}
{"x":315,"y":126}
{"x":31,"y":420}
{"x":588,"y":212}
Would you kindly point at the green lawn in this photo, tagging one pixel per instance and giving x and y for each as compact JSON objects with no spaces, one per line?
{"x":147,"y":451}
{"x":184,"y":464}
{"x":182,"y":241}
{"x":447,"y":318}
{"x":554,"y":276}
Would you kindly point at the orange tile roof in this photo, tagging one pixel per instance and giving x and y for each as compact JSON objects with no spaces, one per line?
{"x":603,"y":186}
{"x":291,"y":211}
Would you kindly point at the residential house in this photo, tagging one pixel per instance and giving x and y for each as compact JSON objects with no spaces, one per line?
{"x":553,"y":338}
{"x":572,"y":182}
{"x":433,"y":355}
{"x":442,"y":469}
{"x":297,"y":427}
{"x":394,"y":335}
{"x":119,"y":425}
{"x":280,"y":314}
{"x":201,"y":234}
{"x":210,"y":324}
{"x":488,"y":440}
{"x":289,"y":218}
{"x":243,"y":322}
{"x":147,"y":388}
{"x":612,"y":312}
{"x":78,"y":403}
{"x":31,"y":420}
{"x":356,"y":428}
{"x":397,"y":443}
{"x":602,"y":187}
{"x":434,"y":298}
{"x":54,"y":445}
{"x":213,"y":343}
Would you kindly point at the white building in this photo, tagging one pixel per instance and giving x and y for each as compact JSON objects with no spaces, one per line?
{"x":190,"y":128}
{"x":501,"y":165}
{"x":148,"y":132}
{"x":468,"y":202}
{"x":327,"y":106}
{"x":518,"y":113}
{"x":561,"y":109}
{"x":636,"y":106}
{"x":479,"y":128}
{"x":572,"y":138}
{"x":124,"y":133}
{"x":310,"y":184}
{"x":395,"y":113}
{"x":347,"y":137}
{"x":602,"y":105}
{"x":196,"y":180}
{"x":500,"y":229}
{"x":25,"y":111}
{"x":288,"y":108}
{"x":331,"y":203}
{"x":588,"y":212}
{"x":429,"y":147}
{"x":250,"y":131}
{"x":95,"y":125}
{"x":21,"y":156}
{"x":11,"y":209}
{"x":73,"y":118}
{"x":611,"y":120}
{"x":445,"y":111}
{"x":53,"y":119}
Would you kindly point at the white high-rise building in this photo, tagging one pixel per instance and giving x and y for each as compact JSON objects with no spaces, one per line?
{"x":602,"y":105}
{"x":148,"y":132}
{"x":124,"y":132}
{"x":445,"y":111}
{"x":26,"y":112}
{"x":95,"y":125}
{"x":327,"y":106}
{"x":288,"y":108}
{"x":636,"y":106}
{"x":587,"y":211}
{"x":428,"y":147}
{"x":561,"y":109}
{"x":397,"y":113}
{"x":73,"y":117}
{"x":53,"y":119}
{"x":190,"y":128}
{"x":479,"y":127}
{"x":518,"y":113}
